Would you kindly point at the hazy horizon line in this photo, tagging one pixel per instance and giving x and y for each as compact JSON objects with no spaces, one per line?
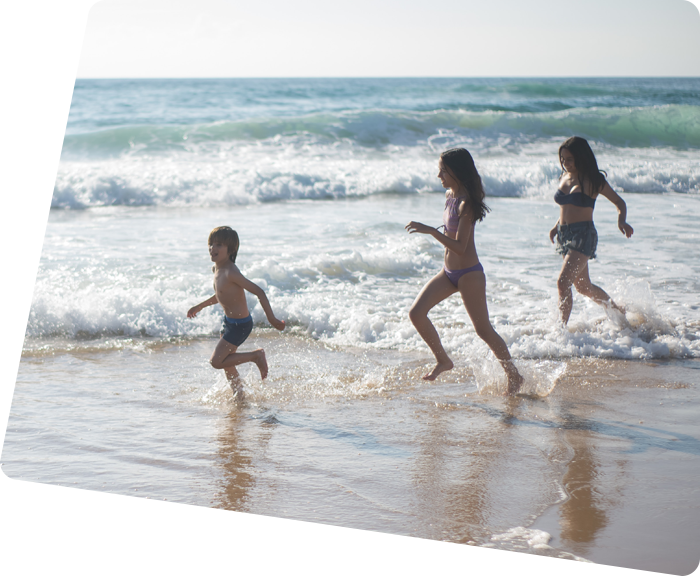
{"x":374,"y":77}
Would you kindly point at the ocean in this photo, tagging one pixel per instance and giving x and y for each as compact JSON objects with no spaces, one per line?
{"x":319,"y":178}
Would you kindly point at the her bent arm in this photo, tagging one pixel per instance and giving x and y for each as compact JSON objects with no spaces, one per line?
{"x":457,"y":245}
{"x":614,"y":197}
{"x":192,"y":312}
{"x":553,"y":232}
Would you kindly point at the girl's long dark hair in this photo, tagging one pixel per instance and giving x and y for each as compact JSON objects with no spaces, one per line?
{"x":586,"y":164}
{"x":461,"y":163}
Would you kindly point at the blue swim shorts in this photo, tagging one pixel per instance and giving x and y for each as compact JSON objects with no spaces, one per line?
{"x":579,"y":236}
{"x":236,"y":330}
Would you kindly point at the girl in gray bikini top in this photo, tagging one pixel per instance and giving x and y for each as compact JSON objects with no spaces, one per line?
{"x":576,"y":198}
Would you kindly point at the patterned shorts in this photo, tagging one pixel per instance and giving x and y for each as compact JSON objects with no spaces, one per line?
{"x":580,"y":236}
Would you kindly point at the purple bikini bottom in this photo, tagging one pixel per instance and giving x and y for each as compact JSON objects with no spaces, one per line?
{"x":454,"y":275}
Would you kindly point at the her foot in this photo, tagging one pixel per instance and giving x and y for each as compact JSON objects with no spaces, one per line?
{"x":261,"y":362}
{"x":440,"y":367}
{"x":515,"y":381}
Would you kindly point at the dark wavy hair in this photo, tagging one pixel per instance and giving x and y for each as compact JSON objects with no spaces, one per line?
{"x":461,"y":163}
{"x":228,"y":237}
{"x":585,"y":163}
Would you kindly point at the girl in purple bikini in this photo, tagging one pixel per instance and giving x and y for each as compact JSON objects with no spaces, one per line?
{"x":580,"y":184}
{"x":464,"y":207}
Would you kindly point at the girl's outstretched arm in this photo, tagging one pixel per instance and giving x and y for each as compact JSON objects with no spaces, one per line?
{"x":458,"y":245}
{"x":614,"y":197}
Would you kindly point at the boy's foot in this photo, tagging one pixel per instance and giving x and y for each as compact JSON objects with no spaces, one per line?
{"x":261,"y":362}
{"x":440,"y":367}
{"x":235,"y":383}
{"x":238,"y":394}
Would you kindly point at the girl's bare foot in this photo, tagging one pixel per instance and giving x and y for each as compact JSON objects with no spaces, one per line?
{"x":617,"y":314}
{"x":440,"y":367}
{"x":261,"y":362}
{"x":515,"y":381}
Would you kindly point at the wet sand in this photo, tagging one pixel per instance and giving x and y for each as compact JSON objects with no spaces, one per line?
{"x":631,"y":484}
{"x":607,"y":463}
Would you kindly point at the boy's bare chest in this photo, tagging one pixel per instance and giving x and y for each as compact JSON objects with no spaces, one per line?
{"x":224,"y":285}
{"x":220,"y":282}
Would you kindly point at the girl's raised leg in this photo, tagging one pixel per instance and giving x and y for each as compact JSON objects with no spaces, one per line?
{"x":435,"y":291}
{"x":585,"y":287}
{"x":472,"y":287}
{"x":574,"y":272}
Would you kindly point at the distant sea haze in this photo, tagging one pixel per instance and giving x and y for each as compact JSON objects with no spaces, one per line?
{"x":230,"y":142}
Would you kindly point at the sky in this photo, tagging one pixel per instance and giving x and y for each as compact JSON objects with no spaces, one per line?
{"x":384,"y":38}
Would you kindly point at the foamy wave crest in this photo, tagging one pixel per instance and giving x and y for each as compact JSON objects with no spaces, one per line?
{"x":81,"y":310}
{"x":325,"y":295}
{"x":662,"y":172}
{"x":272,"y":173}
{"x":241,"y":175}
{"x":358,"y":300}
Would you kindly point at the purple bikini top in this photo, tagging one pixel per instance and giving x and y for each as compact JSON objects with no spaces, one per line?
{"x":450,"y":216}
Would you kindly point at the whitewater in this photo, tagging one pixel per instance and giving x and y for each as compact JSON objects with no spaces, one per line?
{"x":238,"y":152}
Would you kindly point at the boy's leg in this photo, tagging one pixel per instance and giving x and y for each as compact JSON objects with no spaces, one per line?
{"x":226,"y":358}
{"x":234,"y":381}
{"x":231,"y":373}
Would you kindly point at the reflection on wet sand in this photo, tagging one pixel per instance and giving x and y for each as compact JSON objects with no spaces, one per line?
{"x":470,"y":485}
{"x":582,"y":516}
{"x":236,"y":462}
{"x":449,"y":484}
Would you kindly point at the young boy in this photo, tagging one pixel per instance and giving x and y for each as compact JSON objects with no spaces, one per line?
{"x":229,"y":291}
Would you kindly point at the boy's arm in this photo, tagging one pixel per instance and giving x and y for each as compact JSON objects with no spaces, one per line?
{"x":192,"y":312}
{"x":264,"y":302}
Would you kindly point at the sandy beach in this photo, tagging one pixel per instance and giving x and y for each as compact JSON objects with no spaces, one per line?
{"x":382,"y":450}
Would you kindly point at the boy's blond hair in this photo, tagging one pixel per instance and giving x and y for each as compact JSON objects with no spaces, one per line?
{"x":228,"y":237}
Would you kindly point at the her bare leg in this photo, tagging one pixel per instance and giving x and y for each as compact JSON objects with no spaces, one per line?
{"x":585,"y":287}
{"x":472,"y":287}
{"x":225,"y":357}
{"x":575,"y":271}
{"x":574,"y":265}
{"x":435,"y":291}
